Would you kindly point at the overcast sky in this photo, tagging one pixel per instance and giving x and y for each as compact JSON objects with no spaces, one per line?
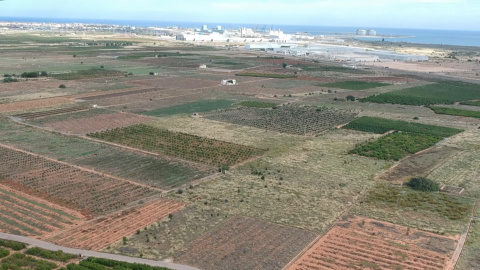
{"x":422,"y":14}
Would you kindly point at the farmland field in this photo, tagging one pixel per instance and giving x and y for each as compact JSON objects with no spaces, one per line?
{"x":78,"y":189}
{"x":103,"y":231}
{"x":355,"y":85}
{"x":456,"y":112}
{"x":257,"y":104}
{"x":194,"y":107}
{"x":433,"y":212}
{"x":189,"y":147}
{"x":245,"y":243}
{"x":96,"y":123}
{"x":382,"y":125}
{"x":26,"y":215}
{"x":362,"y":243}
{"x":471,"y":103}
{"x":438,"y":93}
{"x":286,"y":119}
{"x":396,"y":145}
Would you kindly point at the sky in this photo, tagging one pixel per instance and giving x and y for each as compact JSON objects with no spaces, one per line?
{"x":415,"y":14}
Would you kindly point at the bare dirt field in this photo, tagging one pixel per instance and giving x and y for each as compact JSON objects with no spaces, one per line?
{"x":361,"y":243}
{"x":97,"y":123}
{"x":103,"y":231}
{"x":245,"y":243}
{"x":32,"y":104}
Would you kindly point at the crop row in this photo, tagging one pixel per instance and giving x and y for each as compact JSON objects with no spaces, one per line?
{"x":438,"y":93}
{"x":382,"y":125}
{"x":267,"y":75}
{"x":354,"y":85}
{"x":257,"y":104}
{"x":185,"y":146}
{"x":79,"y":189}
{"x":29,"y":116}
{"x":286,"y":119}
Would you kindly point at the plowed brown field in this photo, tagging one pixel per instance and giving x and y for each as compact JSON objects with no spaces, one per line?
{"x":97,"y":123}
{"x":361,"y":243}
{"x":31,"y":104}
{"x":245,"y":243}
{"x":104,"y":231}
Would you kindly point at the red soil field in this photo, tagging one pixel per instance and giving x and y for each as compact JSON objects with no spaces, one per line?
{"x":361,"y":243}
{"x":27,"y":215}
{"x":104,"y":231}
{"x":71,"y":186}
{"x":97,"y":123}
{"x":32,"y":104}
{"x":245,"y":243}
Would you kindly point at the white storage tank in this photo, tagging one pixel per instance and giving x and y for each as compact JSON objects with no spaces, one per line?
{"x":361,"y":32}
{"x":371,"y":32}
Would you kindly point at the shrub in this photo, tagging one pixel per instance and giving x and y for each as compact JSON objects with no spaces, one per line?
{"x":351,"y":98}
{"x":4,"y":252}
{"x":12,"y":244}
{"x":62,"y":86}
{"x":32,"y":74}
{"x":9,"y":80}
{"x":423,"y":184}
{"x":52,"y":255}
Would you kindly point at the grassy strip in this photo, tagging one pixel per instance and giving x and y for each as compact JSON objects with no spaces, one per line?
{"x":38,"y":204}
{"x":19,"y":261}
{"x":132,"y":56}
{"x":122,"y":265}
{"x":456,"y":112}
{"x":51,"y":255}
{"x":332,"y":68}
{"x":354,"y":85}
{"x":266,"y":75}
{"x":12,"y":244}
{"x":257,"y":104}
{"x":382,"y":125}
{"x":194,"y":107}
{"x":396,"y":145}
{"x":88,"y":73}
{"x":471,"y":103}
{"x":438,"y":93}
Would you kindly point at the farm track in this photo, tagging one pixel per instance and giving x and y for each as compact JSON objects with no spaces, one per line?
{"x":104,"y":231}
{"x":79,"y":187}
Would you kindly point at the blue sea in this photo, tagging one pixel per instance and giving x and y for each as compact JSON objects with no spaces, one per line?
{"x":426,"y":36}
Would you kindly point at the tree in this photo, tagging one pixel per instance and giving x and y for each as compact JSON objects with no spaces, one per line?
{"x":62,"y":86}
{"x":351,"y":98}
{"x":284,"y":65}
{"x":423,"y":184}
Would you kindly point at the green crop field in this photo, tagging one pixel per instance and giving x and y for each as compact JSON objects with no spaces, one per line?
{"x":194,"y":107}
{"x":382,"y":125}
{"x":437,"y":93}
{"x":354,"y":85}
{"x":396,"y":145}
{"x":88,"y":73}
{"x":456,"y":112}
{"x":267,"y":75}
{"x":185,"y":146}
{"x":471,"y":103}
{"x":257,"y":104}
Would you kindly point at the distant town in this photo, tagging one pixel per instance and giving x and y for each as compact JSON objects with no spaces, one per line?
{"x":275,"y":41}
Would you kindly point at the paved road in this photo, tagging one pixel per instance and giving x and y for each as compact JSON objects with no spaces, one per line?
{"x":88,"y":253}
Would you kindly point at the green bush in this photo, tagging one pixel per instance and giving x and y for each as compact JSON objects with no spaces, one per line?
{"x":12,"y":244}
{"x":52,"y":255}
{"x":33,"y":74}
{"x":9,"y":80}
{"x":423,"y":184}
{"x":62,"y":86}
{"x":351,"y":98}
{"x":4,"y":252}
